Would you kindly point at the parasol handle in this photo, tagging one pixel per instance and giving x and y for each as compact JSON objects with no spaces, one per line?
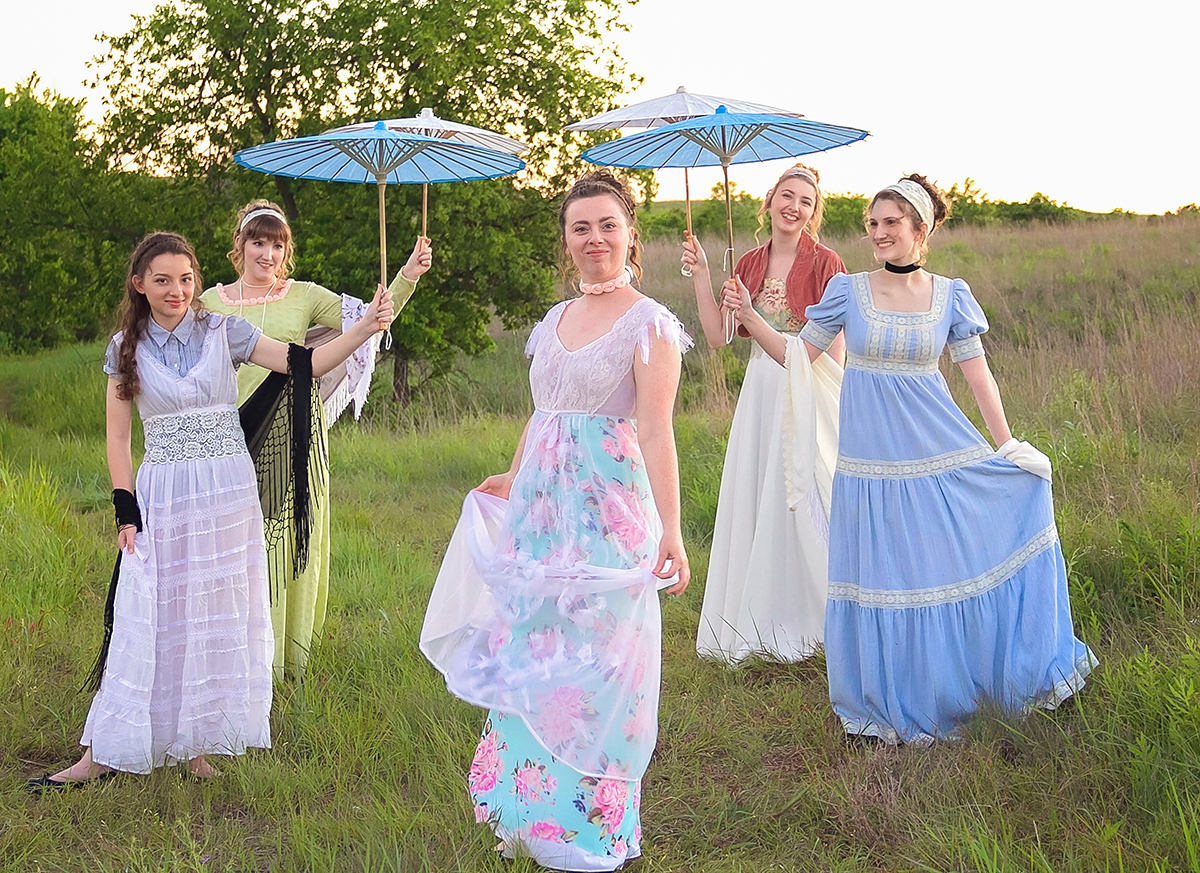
{"x":381,"y":182}
{"x":424,"y":209}
{"x":687,"y":211}
{"x":730,"y":322}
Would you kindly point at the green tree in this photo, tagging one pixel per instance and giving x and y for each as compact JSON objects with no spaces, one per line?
{"x":197,"y":80}
{"x":970,"y":205}
{"x":62,"y":245}
{"x":843,"y":215}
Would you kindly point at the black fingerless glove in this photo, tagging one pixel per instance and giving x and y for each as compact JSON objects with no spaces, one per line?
{"x":127,"y":509}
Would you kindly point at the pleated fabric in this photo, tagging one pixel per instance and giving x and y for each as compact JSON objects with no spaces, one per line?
{"x":189,"y":666}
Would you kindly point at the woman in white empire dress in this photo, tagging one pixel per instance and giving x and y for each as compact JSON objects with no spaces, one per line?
{"x":765,"y":591}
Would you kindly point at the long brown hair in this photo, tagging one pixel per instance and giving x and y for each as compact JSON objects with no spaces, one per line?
{"x":134,"y":315}
{"x":601,"y":183}
{"x":272,"y":228}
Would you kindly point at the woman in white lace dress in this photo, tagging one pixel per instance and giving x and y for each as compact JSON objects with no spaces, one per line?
{"x":545,"y":611}
{"x":187,"y":672}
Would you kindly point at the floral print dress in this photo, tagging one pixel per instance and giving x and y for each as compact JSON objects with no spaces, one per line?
{"x":557,"y":629}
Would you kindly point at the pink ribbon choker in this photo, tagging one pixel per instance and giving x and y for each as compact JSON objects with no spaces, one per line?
{"x":606,"y":287}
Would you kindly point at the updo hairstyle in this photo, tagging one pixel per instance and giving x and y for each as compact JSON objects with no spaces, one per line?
{"x":806,"y":174}
{"x":941,"y":209}
{"x":600,"y":183}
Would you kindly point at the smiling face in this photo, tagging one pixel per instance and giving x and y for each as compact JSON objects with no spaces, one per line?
{"x":892,"y":233}
{"x":793,"y":202}
{"x":261,"y":259}
{"x":168,"y":284}
{"x":597,"y":236}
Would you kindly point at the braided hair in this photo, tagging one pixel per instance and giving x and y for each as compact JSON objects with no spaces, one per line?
{"x":134,"y":315}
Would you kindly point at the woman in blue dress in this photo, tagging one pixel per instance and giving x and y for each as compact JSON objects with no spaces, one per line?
{"x":947,"y":584}
{"x":545,"y":611}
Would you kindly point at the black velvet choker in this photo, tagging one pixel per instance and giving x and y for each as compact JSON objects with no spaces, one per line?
{"x":907,"y":268}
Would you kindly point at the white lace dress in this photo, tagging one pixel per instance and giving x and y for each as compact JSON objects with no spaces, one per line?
{"x":189,"y":666}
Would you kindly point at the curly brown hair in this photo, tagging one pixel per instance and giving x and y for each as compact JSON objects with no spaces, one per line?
{"x":134,"y":315}
{"x":264,"y":227}
{"x":941,"y":208}
{"x":601,"y":183}
{"x":802,"y":172}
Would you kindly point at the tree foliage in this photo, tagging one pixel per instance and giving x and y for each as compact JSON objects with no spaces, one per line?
{"x":198,"y":80}
{"x":62,"y":239}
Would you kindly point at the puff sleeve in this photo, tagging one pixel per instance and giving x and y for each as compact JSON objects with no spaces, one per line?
{"x":967,"y":323}
{"x":827,"y":318}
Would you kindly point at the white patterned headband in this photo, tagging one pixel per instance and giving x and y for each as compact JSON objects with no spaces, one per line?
{"x":255,"y":213}
{"x":801,"y":173}
{"x":918,"y":197}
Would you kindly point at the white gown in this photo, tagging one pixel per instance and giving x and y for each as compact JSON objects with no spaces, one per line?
{"x":189,"y":666}
{"x":767,"y":572}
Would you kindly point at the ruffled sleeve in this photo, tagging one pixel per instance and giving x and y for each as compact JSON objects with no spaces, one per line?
{"x":110,"y":355}
{"x":663,"y":324}
{"x":967,"y":323}
{"x":549,"y":322}
{"x":827,"y":318}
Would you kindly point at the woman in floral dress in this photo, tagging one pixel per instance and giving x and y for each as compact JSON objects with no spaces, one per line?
{"x":545,"y":610}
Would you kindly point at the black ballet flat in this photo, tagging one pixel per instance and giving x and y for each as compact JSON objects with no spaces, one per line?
{"x":45,"y":785}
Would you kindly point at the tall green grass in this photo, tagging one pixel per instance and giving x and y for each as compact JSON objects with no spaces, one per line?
{"x":1094,"y":343}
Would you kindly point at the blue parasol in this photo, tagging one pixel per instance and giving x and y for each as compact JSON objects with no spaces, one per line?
{"x":381,"y":155}
{"x":723,"y":138}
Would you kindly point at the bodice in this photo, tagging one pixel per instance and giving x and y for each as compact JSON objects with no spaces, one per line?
{"x":772,"y":304}
{"x":192,"y":416}
{"x":597,"y":379}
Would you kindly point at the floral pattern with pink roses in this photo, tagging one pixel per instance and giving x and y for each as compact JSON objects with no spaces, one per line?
{"x":533,"y":794}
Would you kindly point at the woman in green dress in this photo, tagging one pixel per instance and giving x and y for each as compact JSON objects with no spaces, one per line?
{"x":297,"y":541}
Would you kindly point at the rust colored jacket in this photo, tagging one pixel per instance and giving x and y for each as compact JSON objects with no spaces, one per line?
{"x":814,"y":266}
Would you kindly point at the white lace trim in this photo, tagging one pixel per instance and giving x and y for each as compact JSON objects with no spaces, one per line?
{"x":937,"y":308}
{"x":583,"y":379}
{"x":190,"y":436}
{"x":914,"y":469}
{"x":954,"y":592}
{"x":819,"y":336}
{"x":965,"y":349}
{"x":889,"y":365}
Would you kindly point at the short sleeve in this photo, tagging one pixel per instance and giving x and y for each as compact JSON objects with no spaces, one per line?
{"x":539,"y":329}
{"x":324,"y":306}
{"x":967,"y":323}
{"x":827,"y":318}
{"x":663,"y":324}
{"x":110,"y":356}
{"x":242,"y":336}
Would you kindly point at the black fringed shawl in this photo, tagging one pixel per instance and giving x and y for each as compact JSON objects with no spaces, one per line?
{"x":280,"y":421}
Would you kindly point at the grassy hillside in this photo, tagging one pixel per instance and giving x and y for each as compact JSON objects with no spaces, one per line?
{"x":1095,"y":342}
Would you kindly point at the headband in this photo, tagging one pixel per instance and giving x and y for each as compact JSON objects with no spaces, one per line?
{"x":255,"y":213}
{"x":803,"y":174}
{"x":918,"y":197}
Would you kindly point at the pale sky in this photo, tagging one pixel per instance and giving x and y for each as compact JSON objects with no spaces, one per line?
{"x":1092,"y":103}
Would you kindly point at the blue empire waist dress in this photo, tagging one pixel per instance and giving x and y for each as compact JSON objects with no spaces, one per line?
{"x":947,"y":584}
